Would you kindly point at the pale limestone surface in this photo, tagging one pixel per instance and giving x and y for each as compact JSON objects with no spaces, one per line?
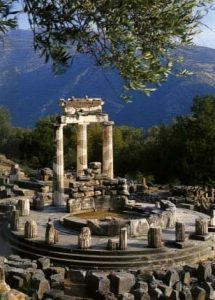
{"x":68,"y":238}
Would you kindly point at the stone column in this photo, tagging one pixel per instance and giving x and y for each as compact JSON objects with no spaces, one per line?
{"x":14,"y":220}
{"x":179,"y":232}
{"x":58,"y":167}
{"x":123,"y":238}
{"x":81,"y":148}
{"x":30,"y":230}
{"x":2,"y":274}
{"x":201,"y":226}
{"x":24,"y":207}
{"x":212,"y":219}
{"x":154,"y":237}
{"x":51,"y":234}
{"x":107,"y":166}
{"x":84,"y":238}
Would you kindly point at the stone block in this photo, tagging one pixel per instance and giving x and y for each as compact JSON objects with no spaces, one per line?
{"x":51,"y":234}
{"x":77,"y":195}
{"x":18,"y":282}
{"x":84,"y":238}
{"x":201,"y":226}
{"x":88,"y":204}
{"x":174,"y":295}
{"x":89,"y":194}
{"x":121,"y":282}
{"x":2,"y":274}
{"x":37,"y":277}
{"x":97,"y":193}
{"x":15,"y":295}
{"x":123,"y":239}
{"x":39,"y":201}
{"x":30,"y":229}
{"x":166,"y":290}
{"x":139,"y":227}
{"x":179,"y":232}
{"x":43,"y":263}
{"x":204,"y":270}
{"x":53,"y":294}
{"x":22,"y":263}
{"x":198,"y":293}
{"x":185,"y":277}
{"x":73,"y":205}
{"x":154,"y":237}
{"x":155,"y":293}
{"x":98,"y":281}
{"x":42,"y":288}
{"x":126,"y":296}
{"x":102,"y":295}
{"x":11,"y":272}
{"x":140,"y":284}
{"x":209,"y":289}
{"x":192,"y":269}
{"x":171,"y":277}
{"x":24,"y":207}
{"x":140,"y":294}
{"x":14,"y":220}
{"x":57,"y":281}
{"x":4,"y":287}
{"x":112,"y":244}
{"x":76,"y":275}
{"x":186,"y":294}
{"x":55,"y":270}
{"x":177,"y":286}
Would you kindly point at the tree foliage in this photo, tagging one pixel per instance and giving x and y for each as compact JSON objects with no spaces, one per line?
{"x":183,"y":151}
{"x":134,"y":36}
{"x":7,"y":20}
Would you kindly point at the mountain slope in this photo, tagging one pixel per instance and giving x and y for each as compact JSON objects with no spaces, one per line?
{"x":30,"y":90}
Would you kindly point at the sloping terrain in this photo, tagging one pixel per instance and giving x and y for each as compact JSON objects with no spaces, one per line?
{"x":30,"y":90}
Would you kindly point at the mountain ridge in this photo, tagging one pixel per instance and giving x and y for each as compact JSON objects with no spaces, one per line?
{"x":30,"y":90}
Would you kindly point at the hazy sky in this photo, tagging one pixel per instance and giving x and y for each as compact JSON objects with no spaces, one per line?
{"x":205,"y":38}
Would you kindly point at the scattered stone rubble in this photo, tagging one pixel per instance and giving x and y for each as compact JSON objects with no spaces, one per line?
{"x":194,"y":197}
{"x":38,"y":279}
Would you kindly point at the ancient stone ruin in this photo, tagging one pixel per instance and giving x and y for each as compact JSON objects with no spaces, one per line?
{"x":81,"y":112}
{"x":117,"y":238}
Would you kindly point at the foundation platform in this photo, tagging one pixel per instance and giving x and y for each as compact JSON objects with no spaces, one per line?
{"x":137,"y":255}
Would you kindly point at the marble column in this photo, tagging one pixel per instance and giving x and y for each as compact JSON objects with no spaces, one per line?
{"x":58,"y":197}
{"x":107,"y":166}
{"x":123,"y":238}
{"x":179,"y":232}
{"x":154,"y":237}
{"x":212,"y":219}
{"x":201,"y":226}
{"x":81,"y":148}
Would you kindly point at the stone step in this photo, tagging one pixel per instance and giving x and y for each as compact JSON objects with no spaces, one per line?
{"x":101,"y":255}
{"x":114,"y":264}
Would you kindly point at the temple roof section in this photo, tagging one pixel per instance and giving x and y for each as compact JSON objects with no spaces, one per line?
{"x":84,"y":106}
{"x":82,"y":110}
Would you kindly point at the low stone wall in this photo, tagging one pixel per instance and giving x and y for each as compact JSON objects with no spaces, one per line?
{"x":22,"y":278}
{"x":97,"y":193}
{"x":136,"y":226}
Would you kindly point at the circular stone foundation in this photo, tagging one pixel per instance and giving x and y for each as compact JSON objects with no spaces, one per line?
{"x":137,"y":254}
{"x":107,"y":223}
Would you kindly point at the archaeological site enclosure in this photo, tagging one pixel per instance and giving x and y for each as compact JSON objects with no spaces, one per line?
{"x":93,"y":220}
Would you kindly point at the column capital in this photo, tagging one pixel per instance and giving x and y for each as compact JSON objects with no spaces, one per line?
{"x":60,"y":121}
{"x":108,"y":123}
{"x":83,"y":123}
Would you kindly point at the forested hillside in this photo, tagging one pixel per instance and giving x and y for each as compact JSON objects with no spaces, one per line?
{"x":183,"y":152}
{"x":30,"y":90}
